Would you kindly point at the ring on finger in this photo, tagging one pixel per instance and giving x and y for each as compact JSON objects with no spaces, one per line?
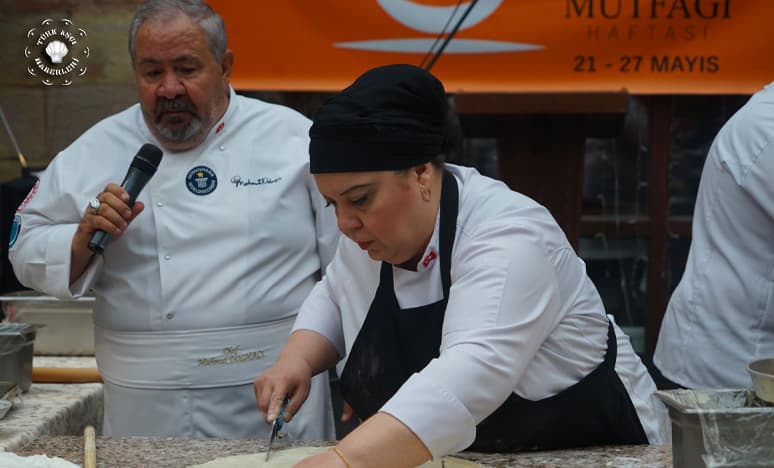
{"x":94,"y":205}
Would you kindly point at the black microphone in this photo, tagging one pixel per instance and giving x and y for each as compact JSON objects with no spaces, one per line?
{"x":143,"y":167}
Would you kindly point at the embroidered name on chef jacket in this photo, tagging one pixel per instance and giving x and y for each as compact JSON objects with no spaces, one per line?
{"x":201,"y":180}
{"x":231,"y":355}
{"x":238,"y":181}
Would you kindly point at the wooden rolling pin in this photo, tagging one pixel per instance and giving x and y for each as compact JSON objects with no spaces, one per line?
{"x":89,"y":448}
{"x":65,"y":374}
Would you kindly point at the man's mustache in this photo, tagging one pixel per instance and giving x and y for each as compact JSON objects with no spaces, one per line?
{"x":174,"y":105}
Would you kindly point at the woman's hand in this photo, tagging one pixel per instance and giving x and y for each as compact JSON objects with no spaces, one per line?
{"x":306,"y":354}
{"x":346,"y":412}
{"x":289,"y":377}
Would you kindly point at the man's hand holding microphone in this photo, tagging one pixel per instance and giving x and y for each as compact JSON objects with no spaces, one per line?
{"x":109,"y":213}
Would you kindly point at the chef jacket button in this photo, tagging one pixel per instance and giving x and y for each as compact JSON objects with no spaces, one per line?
{"x":159,"y":204}
{"x":167,"y":257}
{"x":222,"y":148}
{"x":170,"y":316}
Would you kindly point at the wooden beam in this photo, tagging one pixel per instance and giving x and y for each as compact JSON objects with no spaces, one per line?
{"x":542,"y":157}
{"x":658,"y":194}
{"x":541,"y":103}
{"x":632,"y":226}
{"x":625,"y":226}
{"x":680,"y":226}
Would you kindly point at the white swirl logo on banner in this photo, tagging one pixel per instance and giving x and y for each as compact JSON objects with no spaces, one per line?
{"x":432,"y":20}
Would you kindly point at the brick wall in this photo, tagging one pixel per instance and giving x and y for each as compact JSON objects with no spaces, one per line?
{"x":45,"y":119}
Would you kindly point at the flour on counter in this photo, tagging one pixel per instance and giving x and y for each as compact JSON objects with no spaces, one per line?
{"x":11,"y":460}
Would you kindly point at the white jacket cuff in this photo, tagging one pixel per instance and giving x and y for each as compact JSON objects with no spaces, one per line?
{"x":57,"y":268}
{"x":436,"y":416}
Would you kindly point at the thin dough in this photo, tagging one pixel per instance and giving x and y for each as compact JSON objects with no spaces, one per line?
{"x":289,"y":457}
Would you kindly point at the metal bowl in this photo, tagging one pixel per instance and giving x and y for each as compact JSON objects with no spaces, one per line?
{"x":762,"y":373}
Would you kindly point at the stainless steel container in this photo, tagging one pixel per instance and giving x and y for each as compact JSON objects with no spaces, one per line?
{"x":714,"y":428}
{"x":66,"y":327}
{"x":16,"y":349}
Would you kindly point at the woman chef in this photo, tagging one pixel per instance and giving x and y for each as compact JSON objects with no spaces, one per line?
{"x":459,"y":314}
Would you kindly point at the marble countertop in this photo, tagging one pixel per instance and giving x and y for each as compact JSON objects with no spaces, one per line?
{"x":52,"y":409}
{"x":51,"y":417}
{"x":174,"y":452}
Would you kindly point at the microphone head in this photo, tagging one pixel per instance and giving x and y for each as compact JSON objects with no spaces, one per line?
{"x":148,"y":158}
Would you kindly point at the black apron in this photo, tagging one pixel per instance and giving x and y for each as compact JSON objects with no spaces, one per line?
{"x":394,"y":343}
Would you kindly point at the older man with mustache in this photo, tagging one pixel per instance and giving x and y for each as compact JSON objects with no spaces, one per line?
{"x":199,"y":286}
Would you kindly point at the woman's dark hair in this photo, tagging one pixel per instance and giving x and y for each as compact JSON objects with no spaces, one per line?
{"x":453,"y":148}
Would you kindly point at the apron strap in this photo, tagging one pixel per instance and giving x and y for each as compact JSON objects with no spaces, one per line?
{"x":449,"y":207}
{"x":393,"y":343}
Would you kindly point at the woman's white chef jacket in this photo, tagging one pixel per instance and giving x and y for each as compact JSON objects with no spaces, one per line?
{"x":201,"y":290}
{"x":721,"y":315}
{"x":522,"y":317}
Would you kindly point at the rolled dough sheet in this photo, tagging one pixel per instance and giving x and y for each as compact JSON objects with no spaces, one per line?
{"x":289,"y":457}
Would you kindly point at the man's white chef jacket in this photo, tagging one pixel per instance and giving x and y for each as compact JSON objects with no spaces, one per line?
{"x":202,"y":288}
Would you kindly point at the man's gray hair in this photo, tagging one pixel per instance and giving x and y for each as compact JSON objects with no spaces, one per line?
{"x":198,"y":11}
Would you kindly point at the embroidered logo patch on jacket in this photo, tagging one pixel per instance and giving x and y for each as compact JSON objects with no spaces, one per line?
{"x":201,"y":180}
{"x":15,"y":229}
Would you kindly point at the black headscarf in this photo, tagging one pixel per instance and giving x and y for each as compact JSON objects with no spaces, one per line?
{"x":392,"y":117}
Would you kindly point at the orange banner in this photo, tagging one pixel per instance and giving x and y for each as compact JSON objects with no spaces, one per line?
{"x":642,"y":46}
